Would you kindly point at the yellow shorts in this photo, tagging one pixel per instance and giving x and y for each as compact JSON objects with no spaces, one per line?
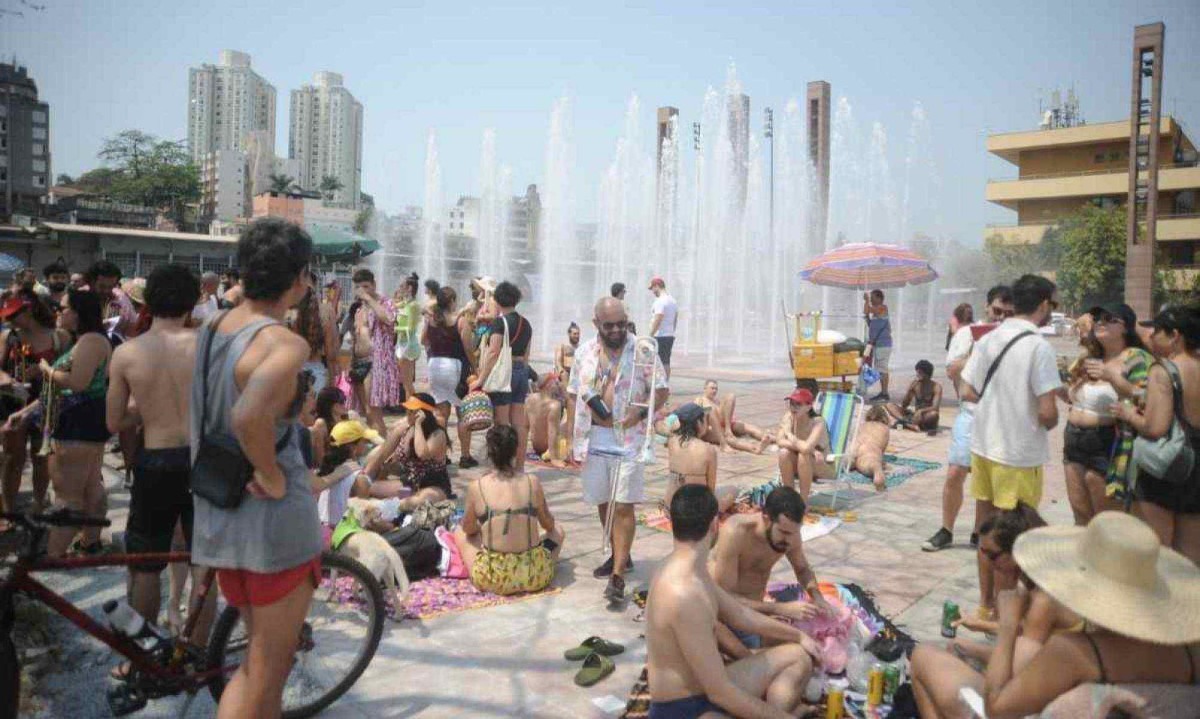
{"x":1004,"y":486}
{"x":513,"y":572}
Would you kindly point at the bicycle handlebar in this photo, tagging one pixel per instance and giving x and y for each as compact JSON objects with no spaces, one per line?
{"x":56,"y":518}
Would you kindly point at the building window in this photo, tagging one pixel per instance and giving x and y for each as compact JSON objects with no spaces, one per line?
{"x":39,"y":148}
{"x":1099,"y":157}
{"x":39,"y":116}
{"x":39,"y":133}
{"x":1114,"y":156}
{"x":39,"y":165}
{"x":39,"y":180}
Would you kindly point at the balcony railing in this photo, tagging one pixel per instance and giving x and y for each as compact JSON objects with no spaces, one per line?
{"x":1033,"y":223}
{"x":1089,"y":173}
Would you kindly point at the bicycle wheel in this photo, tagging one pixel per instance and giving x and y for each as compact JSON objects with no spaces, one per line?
{"x":10,"y":679}
{"x":338,"y":639}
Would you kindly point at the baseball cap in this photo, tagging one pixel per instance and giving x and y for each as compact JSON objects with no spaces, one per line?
{"x":1185,"y":320}
{"x":13,"y":305}
{"x":350,"y":431}
{"x":657,"y":281}
{"x":801,"y":396}
{"x":1120,"y":310}
{"x":414,"y":402}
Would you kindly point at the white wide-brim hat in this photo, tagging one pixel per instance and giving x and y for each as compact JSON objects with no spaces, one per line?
{"x":1114,"y":573}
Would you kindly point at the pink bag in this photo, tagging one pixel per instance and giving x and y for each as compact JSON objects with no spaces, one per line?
{"x":343,"y":383}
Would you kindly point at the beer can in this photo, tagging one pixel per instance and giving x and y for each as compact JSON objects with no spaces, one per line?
{"x":950,"y":614}
{"x":891,"y":682}
{"x":835,"y":703}
{"x":875,"y":686}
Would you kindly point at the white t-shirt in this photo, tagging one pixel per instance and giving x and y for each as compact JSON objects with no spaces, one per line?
{"x":664,"y":305}
{"x":1006,"y":428}
{"x":203,"y":310}
{"x":331,"y":503}
{"x":960,"y":346}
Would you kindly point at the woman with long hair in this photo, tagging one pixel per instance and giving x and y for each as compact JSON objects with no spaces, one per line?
{"x":30,"y":338}
{"x":447,"y":356}
{"x":313,"y":320}
{"x":803,"y":440}
{"x":416,"y":453}
{"x":79,"y":380}
{"x":408,"y":339}
{"x":329,"y":410}
{"x":514,"y":329}
{"x":499,"y":539}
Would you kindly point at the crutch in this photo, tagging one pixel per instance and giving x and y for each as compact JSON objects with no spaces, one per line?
{"x":645,"y":356}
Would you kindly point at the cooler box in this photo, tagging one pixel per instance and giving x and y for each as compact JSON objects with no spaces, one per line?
{"x":812,"y":360}
{"x":845,"y":363}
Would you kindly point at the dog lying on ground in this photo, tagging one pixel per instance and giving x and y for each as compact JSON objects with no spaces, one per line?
{"x":373,"y":551}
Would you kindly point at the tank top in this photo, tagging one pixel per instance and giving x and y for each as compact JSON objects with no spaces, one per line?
{"x":1095,"y":398}
{"x":444,"y":341}
{"x":259,"y":535}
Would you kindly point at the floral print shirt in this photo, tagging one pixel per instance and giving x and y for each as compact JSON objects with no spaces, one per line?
{"x":587,"y":380}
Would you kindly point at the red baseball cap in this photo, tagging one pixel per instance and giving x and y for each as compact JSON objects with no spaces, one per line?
{"x":801,"y":396}
{"x":657,"y":281}
{"x":13,"y":305}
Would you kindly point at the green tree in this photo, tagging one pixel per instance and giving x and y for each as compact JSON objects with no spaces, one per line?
{"x":1091,"y":269}
{"x":64,"y":179}
{"x":151,"y":172}
{"x":330,"y":186}
{"x":366,"y":200}
{"x":281,"y":183}
{"x":97,"y":182}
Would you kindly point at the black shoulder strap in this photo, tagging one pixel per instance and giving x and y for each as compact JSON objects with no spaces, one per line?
{"x":210,"y":332}
{"x":1176,"y":392}
{"x":992,"y":370}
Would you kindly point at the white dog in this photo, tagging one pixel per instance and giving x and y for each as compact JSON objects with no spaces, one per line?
{"x":374,"y":552}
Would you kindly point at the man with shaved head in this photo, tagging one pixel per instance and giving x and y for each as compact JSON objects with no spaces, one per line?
{"x":610,"y":428}
{"x":207,"y":305}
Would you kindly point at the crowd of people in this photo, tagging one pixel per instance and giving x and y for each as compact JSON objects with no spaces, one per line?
{"x":192,"y":375}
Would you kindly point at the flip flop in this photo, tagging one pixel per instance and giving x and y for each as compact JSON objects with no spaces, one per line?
{"x":591,"y":645}
{"x":595,"y":667}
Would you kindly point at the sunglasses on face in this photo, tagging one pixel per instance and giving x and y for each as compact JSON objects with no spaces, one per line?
{"x":611,"y":326}
{"x":1109,"y":320}
{"x":1000,"y":312}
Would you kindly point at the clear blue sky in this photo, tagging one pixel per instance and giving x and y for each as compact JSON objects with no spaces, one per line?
{"x":105,"y":66}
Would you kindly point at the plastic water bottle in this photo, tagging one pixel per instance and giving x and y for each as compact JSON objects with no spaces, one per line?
{"x":125,"y":620}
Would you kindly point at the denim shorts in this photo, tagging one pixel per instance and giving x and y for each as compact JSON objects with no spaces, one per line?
{"x":960,"y":438}
{"x":519,"y":385}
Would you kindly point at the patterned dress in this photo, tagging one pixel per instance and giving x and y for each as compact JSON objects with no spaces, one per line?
{"x":1136,"y":370}
{"x":590,"y":374}
{"x":385,"y":374}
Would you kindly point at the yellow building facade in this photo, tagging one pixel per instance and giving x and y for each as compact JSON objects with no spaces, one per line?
{"x":1059,"y":170}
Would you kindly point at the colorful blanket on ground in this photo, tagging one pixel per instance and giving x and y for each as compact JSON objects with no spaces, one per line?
{"x":436,"y":596}
{"x":852,"y":597}
{"x":899,"y":470}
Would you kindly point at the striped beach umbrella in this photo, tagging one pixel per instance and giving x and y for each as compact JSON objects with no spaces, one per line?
{"x":865,"y":265}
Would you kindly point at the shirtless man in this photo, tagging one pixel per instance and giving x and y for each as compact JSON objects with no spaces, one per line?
{"x":870,"y":444}
{"x":925,"y":397}
{"x":749,"y":547}
{"x":150,"y":382}
{"x":727,"y":432}
{"x":374,"y":376}
{"x":686,"y":675}
{"x":544,"y":410}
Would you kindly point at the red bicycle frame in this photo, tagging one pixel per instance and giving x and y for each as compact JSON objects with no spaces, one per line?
{"x":22,"y":581}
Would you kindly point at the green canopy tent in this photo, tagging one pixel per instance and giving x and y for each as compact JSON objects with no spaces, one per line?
{"x":333,"y":245}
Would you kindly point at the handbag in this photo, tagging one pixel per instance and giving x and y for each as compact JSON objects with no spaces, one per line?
{"x":475,"y":411}
{"x":221,"y":471}
{"x":1170,"y":458}
{"x":500,"y":378}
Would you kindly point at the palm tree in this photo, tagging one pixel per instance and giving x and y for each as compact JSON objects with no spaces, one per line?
{"x":330,"y":186}
{"x":280,"y":183}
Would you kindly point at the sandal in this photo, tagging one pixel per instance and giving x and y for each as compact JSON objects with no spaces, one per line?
{"x":591,"y":645}
{"x":595,"y":667}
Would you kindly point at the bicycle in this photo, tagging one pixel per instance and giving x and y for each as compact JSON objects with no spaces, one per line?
{"x":349,"y":598}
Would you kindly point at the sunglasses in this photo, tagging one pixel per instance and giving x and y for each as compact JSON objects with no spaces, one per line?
{"x":610,"y":326}
{"x":1109,"y":320}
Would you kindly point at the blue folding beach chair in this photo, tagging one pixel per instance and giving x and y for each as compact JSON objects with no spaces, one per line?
{"x":843,"y":413}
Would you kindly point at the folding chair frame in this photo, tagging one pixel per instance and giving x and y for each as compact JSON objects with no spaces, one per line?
{"x":844,"y":461}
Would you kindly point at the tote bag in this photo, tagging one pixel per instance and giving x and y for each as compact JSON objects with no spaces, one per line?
{"x":500,"y":379}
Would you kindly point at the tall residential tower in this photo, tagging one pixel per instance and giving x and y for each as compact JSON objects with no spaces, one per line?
{"x":24,"y":142}
{"x":325,"y":136}
{"x":227,"y":102}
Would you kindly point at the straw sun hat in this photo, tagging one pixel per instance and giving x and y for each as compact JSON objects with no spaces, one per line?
{"x":1115,"y":574}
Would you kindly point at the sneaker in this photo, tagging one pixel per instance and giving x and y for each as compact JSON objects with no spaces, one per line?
{"x":940,"y":540}
{"x":467,"y":463}
{"x":606,"y":569}
{"x":975,"y":539}
{"x":881,"y":397}
{"x":615,"y":591}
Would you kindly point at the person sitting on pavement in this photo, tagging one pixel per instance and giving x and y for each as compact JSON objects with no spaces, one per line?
{"x":1140,"y":603}
{"x":504,"y":556}
{"x":416,"y":453}
{"x":693,"y":462}
{"x":341,"y":474}
{"x":803,"y":440}
{"x":748,"y":548}
{"x":686,"y":674}
{"x":723,"y":430}
{"x":330,"y":409}
{"x":870,"y":444}
{"x":925,"y":397}
{"x":544,"y":410}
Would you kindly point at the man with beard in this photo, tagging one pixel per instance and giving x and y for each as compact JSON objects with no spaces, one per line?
{"x":104,"y":278}
{"x":608,"y":434}
{"x":748,"y":548}
{"x":57,"y":278}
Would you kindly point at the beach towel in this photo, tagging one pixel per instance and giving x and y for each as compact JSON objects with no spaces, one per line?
{"x":436,"y":596}
{"x":898,"y":469}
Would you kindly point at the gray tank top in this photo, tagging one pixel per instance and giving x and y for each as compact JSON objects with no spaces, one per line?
{"x":259,"y":535}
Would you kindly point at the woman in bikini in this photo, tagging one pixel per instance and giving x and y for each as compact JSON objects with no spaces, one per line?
{"x":693,"y":462}
{"x":803,"y":440}
{"x":416,"y":453}
{"x":499,"y":537}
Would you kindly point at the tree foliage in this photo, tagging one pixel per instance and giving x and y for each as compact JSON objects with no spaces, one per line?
{"x":281,"y":183}
{"x":1091,"y":269}
{"x":330,"y":186}
{"x":148,"y":171}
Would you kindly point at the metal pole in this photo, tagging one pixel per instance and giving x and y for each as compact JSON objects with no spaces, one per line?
{"x":769,"y":133}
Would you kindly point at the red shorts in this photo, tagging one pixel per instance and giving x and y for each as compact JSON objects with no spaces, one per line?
{"x":242,"y":587}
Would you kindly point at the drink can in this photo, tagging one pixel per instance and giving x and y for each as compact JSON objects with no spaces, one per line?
{"x":891,"y":682}
{"x":875,"y":686}
{"x":835,"y":703}
{"x":950,"y":614}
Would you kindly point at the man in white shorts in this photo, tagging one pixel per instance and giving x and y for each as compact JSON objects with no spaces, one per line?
{"x":609,"y":435}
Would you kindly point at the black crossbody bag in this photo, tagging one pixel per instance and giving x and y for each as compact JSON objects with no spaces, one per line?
{"x":221,"y":470}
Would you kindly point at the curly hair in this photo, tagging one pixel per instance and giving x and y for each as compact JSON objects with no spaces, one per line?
{"x":271,"y":254}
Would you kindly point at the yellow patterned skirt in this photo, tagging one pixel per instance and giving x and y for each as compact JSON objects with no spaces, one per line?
{"x":512,"y":572}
